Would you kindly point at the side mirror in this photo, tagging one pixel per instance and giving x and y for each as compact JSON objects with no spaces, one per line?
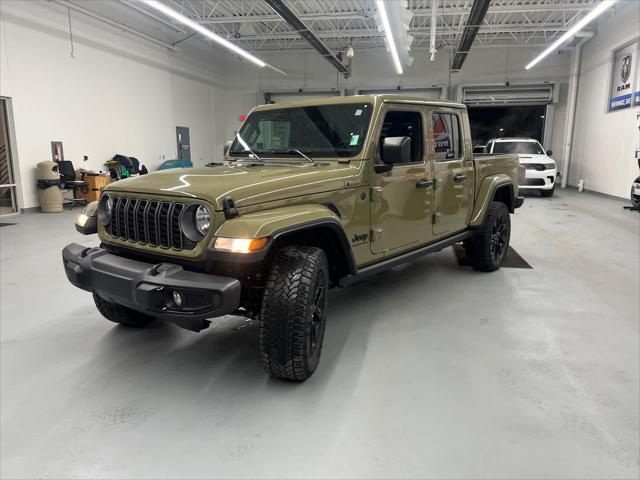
{"x":382,"y":167}
{"x":396,"y":150}
{"x":549,"y":153}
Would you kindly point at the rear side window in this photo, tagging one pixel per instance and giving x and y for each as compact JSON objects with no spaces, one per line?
{"x":446,"y":135}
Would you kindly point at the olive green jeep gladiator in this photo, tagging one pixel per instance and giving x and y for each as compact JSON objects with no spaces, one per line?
{"x":311,"y":195}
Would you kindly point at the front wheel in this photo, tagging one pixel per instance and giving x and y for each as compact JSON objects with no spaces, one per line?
{"x":294,"y":312}
{"x":488,"y":247}
{"x":548,"y":193}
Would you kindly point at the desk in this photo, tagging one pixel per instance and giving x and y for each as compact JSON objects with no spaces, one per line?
{"x":95,"y":184}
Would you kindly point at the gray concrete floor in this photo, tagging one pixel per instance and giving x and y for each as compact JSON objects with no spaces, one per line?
{"x":429,"y":370}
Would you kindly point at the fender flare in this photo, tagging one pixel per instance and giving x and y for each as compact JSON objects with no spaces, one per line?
{"x":281,"y":223}
{"x":486,"y":193}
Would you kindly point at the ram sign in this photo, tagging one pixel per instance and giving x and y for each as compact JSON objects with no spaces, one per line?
{"x":625,"y":88}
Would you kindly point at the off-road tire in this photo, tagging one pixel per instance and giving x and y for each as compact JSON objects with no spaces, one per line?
{"x":293,"y":314}
{"x":120,"y":314}
{"x":488,"y":247}
{"x":548,"y":193}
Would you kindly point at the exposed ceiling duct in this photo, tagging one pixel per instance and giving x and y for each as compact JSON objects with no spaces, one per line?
{"x":298,"y":25}
{"x":474,"y":22}
{"x":394,"y":19}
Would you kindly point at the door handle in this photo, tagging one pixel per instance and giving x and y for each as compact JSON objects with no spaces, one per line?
{"x":424,"y":184}
{"x":459,"y":178}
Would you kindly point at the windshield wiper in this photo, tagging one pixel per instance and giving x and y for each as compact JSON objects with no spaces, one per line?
{"x":291,"y":151}
{"x":295,"y":150}
{"x":247,"y":149}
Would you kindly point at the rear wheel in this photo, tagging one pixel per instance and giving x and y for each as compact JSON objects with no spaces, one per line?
{"x":120,"y":314}
{"x":488,"y":247}
{"x":548,"y":193}
{"x":293,"y":314}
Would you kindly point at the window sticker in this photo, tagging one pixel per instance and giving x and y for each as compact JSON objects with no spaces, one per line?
{"x":354,"y":139}
{"x":358,"y":112}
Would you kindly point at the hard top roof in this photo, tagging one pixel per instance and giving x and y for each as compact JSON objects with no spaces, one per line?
{"x":374,"y":99}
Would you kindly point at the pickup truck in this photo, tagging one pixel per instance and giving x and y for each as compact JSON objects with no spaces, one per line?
{"x":540,"y":168}
{"x":311,"y":195}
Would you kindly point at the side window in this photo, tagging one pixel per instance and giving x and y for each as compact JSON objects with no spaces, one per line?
{"x":404,"y":124}
{"x":446,"y":136}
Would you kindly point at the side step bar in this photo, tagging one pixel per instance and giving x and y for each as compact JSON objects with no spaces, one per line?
{"x":405,"y":257}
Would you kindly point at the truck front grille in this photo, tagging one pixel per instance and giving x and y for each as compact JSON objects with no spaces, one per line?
{"x":533,"y":182}
{"x":148,"y":222}
{"x":534,"y":166}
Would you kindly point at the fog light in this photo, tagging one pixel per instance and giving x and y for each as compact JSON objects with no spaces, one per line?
{"x":177,"y":298}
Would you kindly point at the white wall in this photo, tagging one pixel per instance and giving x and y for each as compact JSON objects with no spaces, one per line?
{"x":119,"y":94}
{"x":373,"y":68}
{"x":604,"y":143}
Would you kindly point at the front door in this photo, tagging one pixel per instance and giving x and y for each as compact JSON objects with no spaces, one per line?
{"x":453,"y":173}
{"x":401,"y":199}
{"x":184,"y":143}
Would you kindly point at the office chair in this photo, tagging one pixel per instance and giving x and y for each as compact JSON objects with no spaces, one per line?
{"x":68,"y":180}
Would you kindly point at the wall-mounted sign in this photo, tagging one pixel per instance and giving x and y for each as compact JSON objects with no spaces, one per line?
{"x":625,"y":88}
{"x":57,"y":153}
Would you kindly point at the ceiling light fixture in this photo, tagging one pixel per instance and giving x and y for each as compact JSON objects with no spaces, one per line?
{"x":588,"y":18}
{"x":387,"y":31}
{"x":170,"y":12}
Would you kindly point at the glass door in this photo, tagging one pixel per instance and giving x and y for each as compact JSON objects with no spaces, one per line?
{"x":8,"y":197}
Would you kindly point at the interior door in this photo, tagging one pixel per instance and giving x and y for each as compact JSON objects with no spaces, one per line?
{"x":402,"y":198}
{"x":453,"y":173}
{"x":8,"y":186}
{"x":184,"y":143}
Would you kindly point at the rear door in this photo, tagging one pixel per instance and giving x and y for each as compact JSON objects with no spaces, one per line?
{"x":453,"y":171}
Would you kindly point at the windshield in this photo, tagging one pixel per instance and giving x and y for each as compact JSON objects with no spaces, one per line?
{"x":531,"y":148}
{"x":317,"y":131}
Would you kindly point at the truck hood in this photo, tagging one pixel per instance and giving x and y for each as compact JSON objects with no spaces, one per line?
{"x":247,"y":185}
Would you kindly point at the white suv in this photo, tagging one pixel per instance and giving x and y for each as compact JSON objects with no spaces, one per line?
{"x":540,"y":168}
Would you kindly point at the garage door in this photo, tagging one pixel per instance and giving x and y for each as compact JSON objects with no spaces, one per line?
{"x":518,"y":103}
{"x":435,"y":92}
{"x":293,"y":95}
{"x":507,"y":95}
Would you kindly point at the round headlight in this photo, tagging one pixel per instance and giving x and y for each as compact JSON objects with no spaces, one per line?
{"x":202,"y":220}
{"x":109,"y":205}
{"x":105,"y":207}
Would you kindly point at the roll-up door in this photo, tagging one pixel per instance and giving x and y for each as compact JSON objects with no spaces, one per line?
{"x":434,"y":92}
{"x":293,"y":95}
{"x":502,"y":95}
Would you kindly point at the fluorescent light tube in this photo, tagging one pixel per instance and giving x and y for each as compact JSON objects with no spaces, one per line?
{"x":170,"y":12}
{"x":387,"y":31}
{"x":588,"y":18}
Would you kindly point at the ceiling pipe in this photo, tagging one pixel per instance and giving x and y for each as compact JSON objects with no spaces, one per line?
{"x":572,"y":101}
{"x":474,"y":21}
{"x":133,"y":5}
{"x":417,"y":12}
{"x":434,"y":27}
{"x":113,"y":23}
{"x":292,"y":19}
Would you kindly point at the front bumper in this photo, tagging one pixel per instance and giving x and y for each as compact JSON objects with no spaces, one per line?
{"x":539,"y":180}
{"x":148,"y":288}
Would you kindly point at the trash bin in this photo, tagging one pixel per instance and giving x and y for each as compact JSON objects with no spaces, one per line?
{"x":48,"y":183}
